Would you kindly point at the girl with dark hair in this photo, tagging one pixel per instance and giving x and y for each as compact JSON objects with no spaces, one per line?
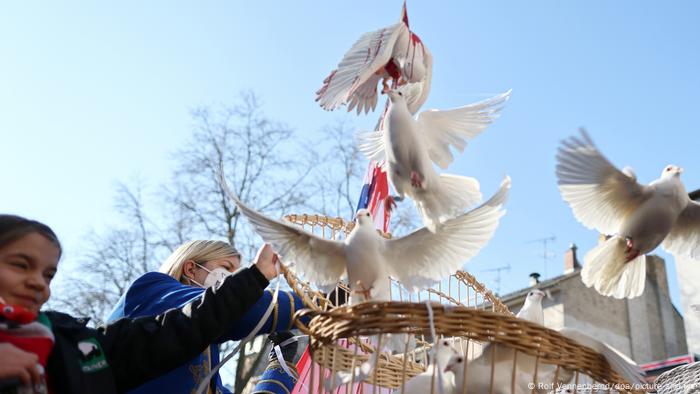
{"x":56,"y":353}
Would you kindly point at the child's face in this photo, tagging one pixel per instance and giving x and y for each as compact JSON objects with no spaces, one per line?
{"x":27,"y":266}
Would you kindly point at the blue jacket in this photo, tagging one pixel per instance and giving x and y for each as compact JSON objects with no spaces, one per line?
{"x":155,"y":292}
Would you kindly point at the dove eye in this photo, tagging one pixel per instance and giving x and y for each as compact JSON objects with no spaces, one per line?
{"x":400,"y":94}
{"x":459,"y":360}
{"x":445,"y":343}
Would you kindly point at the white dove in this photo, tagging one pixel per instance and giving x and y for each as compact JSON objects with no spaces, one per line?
{"x":479,"y":371}
{"x":532,"y":309}
{"x":620,"y":363}
{"x":393,"y":52}
{"x":639,"y":217}
{"x":423,"y":382}
{"x":478,"y":377}
{"x":407,"y":146}
{"x":417,"y":260}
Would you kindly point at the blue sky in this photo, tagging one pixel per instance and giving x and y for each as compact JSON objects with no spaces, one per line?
{"x":94,"y":93}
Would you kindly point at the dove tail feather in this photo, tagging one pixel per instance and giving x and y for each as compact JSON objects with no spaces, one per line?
{"x":451,"y":196}
{"x":605,"y":269}
{"x":628,"y":370}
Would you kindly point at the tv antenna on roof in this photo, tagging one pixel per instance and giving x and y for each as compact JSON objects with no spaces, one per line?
{"x":546,"y":254}
{"x":498,"y":270}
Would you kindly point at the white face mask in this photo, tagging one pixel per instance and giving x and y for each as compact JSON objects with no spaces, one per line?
{"x":214,"y":277}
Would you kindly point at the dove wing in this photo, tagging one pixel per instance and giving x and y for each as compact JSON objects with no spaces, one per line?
{"x":320,"y":261}
{"x":600,"y":195}
{"x":618,"y":361}
{"x":371,"y":144}
{"x":454,"y":127}
{"x":684,"y":238}
{"x":355,"y":75}
{"x":414,"y":102}
{"x":422,"y":257}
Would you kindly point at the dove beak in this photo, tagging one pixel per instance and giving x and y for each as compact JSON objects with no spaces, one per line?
{"x":448,"y":368}
{"x":548,"y":294}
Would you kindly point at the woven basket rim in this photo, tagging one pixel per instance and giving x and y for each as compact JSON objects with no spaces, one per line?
{"x":379,"y":317}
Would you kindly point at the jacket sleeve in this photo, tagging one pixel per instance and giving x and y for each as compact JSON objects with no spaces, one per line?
{"x":281,"y":319}
{"x":146,"y":347}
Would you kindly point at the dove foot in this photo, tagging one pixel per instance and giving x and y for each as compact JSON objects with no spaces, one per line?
{"x":390,"y":203}
{"x":630,"y":252}
{"x":416,"y":180}
{"x":385,"y":86}
{"x":363,"y":291}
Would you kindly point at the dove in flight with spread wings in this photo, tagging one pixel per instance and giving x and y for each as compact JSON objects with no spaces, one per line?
{"x":407,"y":146}
{"x":417,"y":260}
{"x":392,"y":53}
{"x":637,"y":217}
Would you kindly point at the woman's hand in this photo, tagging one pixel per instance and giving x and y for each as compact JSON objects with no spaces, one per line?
{"x":266,"y":260}
{"x":15,"y":363}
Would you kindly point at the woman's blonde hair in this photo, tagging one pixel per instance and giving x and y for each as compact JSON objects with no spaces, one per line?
{"x":201,"y":251}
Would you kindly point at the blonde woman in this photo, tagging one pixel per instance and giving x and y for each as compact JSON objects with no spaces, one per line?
{"x":182,"y":279}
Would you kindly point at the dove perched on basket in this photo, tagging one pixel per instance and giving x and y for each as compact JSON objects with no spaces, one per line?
{"x":408,"y":147}
{"x":637,"y":217}
{"x":417,"y":260}
{"x":532,"y":309}
{"x":393,"y":53}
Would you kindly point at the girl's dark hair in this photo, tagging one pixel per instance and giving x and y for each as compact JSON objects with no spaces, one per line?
{"x":14,"y":227}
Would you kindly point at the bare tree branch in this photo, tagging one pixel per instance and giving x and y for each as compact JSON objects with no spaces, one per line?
{"x":254,"y":151}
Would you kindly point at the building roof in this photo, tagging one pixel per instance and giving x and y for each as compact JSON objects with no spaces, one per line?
{"x":542,"y":285}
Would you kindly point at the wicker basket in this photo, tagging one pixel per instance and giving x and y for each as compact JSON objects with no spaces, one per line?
{"x":680,"y":380}
{"x":462,"y":307}
{"x":372,"y":318}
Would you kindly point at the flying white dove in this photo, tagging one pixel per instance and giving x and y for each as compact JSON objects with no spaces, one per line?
{"x":407,"y":146}
{"x":417,"y":260}
{"x":423,"y":383}
{"x":639,"y":217}
{"x":391,"y":53}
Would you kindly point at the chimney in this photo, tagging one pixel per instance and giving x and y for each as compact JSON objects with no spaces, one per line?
{"x":571,"y":263}
{"x":534,"y":279}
